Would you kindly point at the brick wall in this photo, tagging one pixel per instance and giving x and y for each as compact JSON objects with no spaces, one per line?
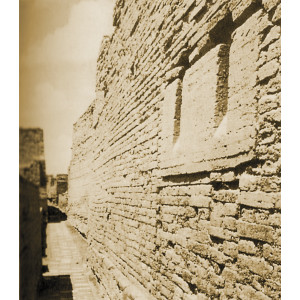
{"x":175,"y":170}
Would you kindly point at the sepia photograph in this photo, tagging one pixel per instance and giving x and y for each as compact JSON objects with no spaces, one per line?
{"x":150,"y":149}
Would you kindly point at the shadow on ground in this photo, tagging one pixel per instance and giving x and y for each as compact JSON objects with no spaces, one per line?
{"x":55,"y":215}
{"x":56,"y":287}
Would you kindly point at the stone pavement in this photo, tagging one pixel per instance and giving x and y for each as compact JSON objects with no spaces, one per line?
{"x":65,"y":275}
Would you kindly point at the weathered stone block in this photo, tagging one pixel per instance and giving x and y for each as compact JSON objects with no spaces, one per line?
{"x":200,"y":6}
{"x":259,"y":199}
{"x":204,"y":189}
{"x":248,"y":292}
{"x":271,"y":253}
{"x":229,"y":223}
{"x":230,"y":209}
{"x":241,"y":8}
{"x":200,"y":201}
{"x":256,"y":265}
{"x":226,"y":196}
{"x":230,"y":249}
{"x":268,"y":70}
{"x":275,"y":220}
{"x":221,"y":233}
{"x":255,"y":231}
{"x":228,"y":176}
{"x":247,"y":247}
{"x":272,"y":36}
{"x":248,"y":182}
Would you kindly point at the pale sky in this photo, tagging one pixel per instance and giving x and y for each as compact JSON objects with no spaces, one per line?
{"x":59,"y":44}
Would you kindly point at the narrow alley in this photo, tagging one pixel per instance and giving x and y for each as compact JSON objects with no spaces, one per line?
{"x":64,"y":271}
{"x":150,"y":151}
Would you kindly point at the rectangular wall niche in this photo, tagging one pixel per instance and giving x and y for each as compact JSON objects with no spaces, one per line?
{"x":171,"y":115}
{"x":204,"y":100}
{"x":209,"y":117}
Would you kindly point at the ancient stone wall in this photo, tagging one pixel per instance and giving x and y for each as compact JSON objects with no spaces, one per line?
{"x":32,"y":158}
{"x":80,"y":174}
{"x":30,"y":243}
{"x":31,"y":146}
{"x":175,"y":171}
{"x":32,"y":209}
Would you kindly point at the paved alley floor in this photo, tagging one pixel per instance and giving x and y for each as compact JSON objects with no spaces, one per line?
{"x":65,"y":275}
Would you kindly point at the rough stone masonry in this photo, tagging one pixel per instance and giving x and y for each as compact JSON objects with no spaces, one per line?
{"x":175,"y":170}
{"x":32,"y":210}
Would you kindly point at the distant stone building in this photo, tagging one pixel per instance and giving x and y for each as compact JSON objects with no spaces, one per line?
{"x":51,"y":188}
{"x":56,"y":186}
{"x":62,"y":183}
